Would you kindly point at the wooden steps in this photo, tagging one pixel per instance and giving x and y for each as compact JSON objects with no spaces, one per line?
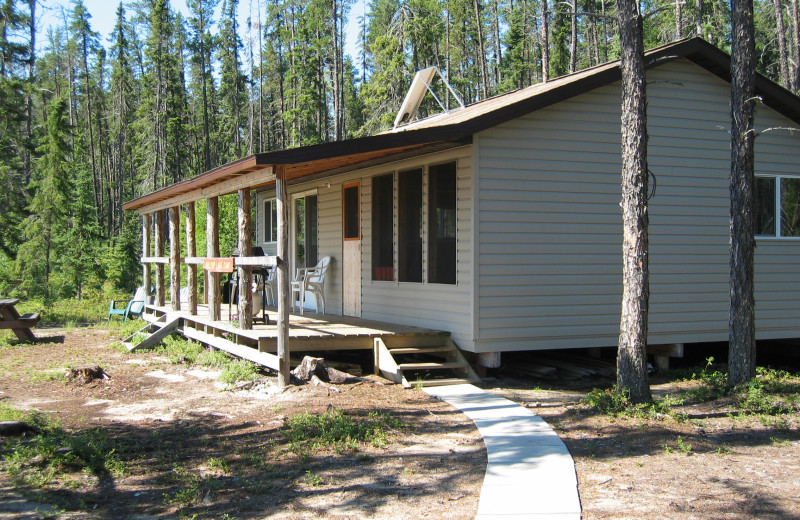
{"x":432,"y":361}
{"x":154,"y":332}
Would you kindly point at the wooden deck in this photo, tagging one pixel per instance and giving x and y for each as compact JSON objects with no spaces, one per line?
{"x":307,"y":333}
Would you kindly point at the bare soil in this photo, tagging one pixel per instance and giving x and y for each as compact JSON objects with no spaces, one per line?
{"x":711,"y":466}
{"x":176,"y":430}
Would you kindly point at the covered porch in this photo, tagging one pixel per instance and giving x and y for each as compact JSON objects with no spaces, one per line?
{"x":168,"y":218}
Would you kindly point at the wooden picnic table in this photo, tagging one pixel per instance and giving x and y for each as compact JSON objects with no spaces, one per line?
{"x":10,"y":319}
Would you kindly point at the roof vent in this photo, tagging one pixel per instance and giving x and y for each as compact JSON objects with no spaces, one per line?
{"x":422,"y":82}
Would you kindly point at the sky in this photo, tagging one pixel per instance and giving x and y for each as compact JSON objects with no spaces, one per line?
{"x":104,"y":11}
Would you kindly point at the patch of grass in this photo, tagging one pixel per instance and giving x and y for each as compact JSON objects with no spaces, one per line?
{"x":683,"y":446}
{"x":53,"y":452}
{"x":334,"y":429}
{"x":616,"y":403}
{"x":238,"y":370}
{"x":40,"y":376}
{"x":313,"y":479}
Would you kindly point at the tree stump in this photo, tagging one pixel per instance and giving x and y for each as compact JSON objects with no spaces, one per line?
{"x":86,"y":373}
{"x":312,"y":366}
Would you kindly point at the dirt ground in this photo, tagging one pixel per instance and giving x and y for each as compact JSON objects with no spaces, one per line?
{"x":711,"y":466}
{"x":175,"y":429}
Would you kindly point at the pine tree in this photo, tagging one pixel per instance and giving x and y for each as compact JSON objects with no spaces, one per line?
{"x":230,"y":140}
{"x":52,"y":188}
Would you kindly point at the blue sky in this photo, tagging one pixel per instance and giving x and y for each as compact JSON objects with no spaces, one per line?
{"x":103,"y":13}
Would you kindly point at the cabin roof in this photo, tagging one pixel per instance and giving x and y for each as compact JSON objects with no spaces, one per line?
{"x":447,"y":130}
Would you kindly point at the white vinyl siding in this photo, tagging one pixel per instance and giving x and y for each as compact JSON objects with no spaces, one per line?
{"x":550,"y":226}
{"x":435,"y":306}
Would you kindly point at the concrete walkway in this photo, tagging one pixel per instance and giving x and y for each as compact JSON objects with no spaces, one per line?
{"x":530,"y":473}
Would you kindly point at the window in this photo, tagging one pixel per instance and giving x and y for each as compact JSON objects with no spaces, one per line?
{"x":409,"y":187}
{"x":777,"y":206}
{"x":352,"y":211}
{"x":270,"y":221}
{"x":442,"y":223}
{"x":383,"y":227}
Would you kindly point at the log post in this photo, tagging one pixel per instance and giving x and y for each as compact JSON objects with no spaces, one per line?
{"x":282,"y":203}
{"x":159,"y":252}
{"x":175,"y":257}
{"x":212,"y":251}
{"x":146,"y":282}
{"x":245,"y":273}
{"x":191,"y":250}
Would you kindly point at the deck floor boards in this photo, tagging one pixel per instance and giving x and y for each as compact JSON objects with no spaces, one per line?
{"x":326,"y":329}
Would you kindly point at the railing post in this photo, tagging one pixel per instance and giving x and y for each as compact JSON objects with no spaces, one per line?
{"x":191,"y":250}
{"x":212,"y":251}
{"x":159,"y":252}
{"x":245,"y":273}
{"x":283,"y":274}
{"x":146,"y":281}
{"x":174,"y":257}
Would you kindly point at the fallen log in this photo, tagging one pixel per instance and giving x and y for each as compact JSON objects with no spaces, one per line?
{"x":8,"y":428}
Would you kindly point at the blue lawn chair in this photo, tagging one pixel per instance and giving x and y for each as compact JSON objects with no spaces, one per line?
{"x":133,"y":307}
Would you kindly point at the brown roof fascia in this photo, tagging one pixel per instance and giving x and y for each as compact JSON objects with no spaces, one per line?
{"x":221,"y":173}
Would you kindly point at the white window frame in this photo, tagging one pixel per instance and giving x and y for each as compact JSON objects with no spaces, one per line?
{"x":777,"y":204}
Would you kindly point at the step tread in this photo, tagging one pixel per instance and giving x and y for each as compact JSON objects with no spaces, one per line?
{"x":441,"y":382}
{"x":421,"y":350}
{"x":431,"y":365}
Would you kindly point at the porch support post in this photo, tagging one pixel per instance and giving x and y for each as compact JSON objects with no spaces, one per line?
{"x":245,"y":273}
{"x":282,"y":203}
{"x":146,"y":282}
{"x":191,"y":250}
{"x":174,"y":257}
{"x":212,"y":251}
{"x":159,"y":252}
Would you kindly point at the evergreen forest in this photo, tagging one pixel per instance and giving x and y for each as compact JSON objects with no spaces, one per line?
{"x":88,"y":124}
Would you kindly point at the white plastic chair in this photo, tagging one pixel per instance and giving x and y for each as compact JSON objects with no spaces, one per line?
{"x":311,"y":279}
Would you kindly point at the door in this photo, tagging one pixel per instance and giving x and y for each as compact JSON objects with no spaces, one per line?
{"x":351,"y":249}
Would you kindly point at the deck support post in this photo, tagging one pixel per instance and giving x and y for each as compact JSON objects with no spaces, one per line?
{"x":175,"y":257}
{"x":212,"y":251}
{"x":282,"y":203}
{"x":146,"y":281}
{"x":159,"y":252}
{"x":191,"y":250}
{"x":245,"y":272}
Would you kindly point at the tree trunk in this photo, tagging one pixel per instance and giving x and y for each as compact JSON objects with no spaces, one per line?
{"x":699,"y":20}
{"x":573,"y":36}
{"x":678,"y":19}
{"x":741,"y":326}
{"x":783,"y":56}
{"x":632,"y":353}
{"x":796,"y":38}
{"x":545,"y":44}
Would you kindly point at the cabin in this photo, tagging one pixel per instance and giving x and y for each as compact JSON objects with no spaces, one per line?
{"x":499,"y":223}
